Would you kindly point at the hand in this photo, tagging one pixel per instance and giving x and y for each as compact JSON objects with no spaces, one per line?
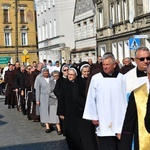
{"x":38,"y":102}
{"x":22,"y":93}
{"x":95,"y":122}
{"x":61,"y":117}
{"x":118,"y":135}
{"x":16,"y":90}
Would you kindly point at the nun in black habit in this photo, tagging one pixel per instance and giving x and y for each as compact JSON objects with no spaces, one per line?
{"x":66,"y":110}
{"x":59,"y":84}
{"x":85,"y":127}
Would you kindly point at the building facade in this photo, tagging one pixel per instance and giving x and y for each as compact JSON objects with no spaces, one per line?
{"x":85,"y":31}
{"x":55,"y":29}
{"x":21,"y":23}
{"x":118,"y":22}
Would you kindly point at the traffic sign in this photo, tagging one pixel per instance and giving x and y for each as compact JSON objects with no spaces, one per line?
{"x":141,"y":36}
{"x":4,"y":60}
{"x":134,"y":43}
{"x":25,"y":51}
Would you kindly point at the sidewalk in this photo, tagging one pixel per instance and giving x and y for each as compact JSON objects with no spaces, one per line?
{"x":18,"y":133}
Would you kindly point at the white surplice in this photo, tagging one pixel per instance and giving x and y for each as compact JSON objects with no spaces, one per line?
{"x":132,"y":81}
{"x":106,"y":102}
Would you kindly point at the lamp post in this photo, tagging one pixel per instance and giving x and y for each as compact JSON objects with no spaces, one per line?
{"x":16,"y":30}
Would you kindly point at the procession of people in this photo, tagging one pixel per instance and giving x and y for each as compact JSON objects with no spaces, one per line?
{"x":101,"y":106}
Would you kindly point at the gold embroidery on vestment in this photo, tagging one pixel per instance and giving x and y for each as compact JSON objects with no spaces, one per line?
{"x":141,"y":97}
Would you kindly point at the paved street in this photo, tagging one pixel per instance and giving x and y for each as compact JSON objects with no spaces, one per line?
{"x":18,"y":133}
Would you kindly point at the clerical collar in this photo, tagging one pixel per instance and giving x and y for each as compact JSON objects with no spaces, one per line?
{"x":141,"y":73}
{"x":82,"y":76}
{"x":64,"y":76}
{"x":114,"y":75}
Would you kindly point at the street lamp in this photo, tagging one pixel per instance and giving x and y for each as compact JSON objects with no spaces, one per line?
{"x":16,"y":30}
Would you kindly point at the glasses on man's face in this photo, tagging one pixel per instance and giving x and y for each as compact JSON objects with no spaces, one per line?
{"x":55,"y":75}
{"x":65,"y":70}
{"x":143,"y":58}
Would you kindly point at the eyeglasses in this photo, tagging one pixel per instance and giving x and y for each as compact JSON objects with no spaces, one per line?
{"x":143,"y":58}
{"x":65,"y":70}
{"x":55,"y":75}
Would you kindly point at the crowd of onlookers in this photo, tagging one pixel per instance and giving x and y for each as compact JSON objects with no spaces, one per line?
{"x":55,"y":95}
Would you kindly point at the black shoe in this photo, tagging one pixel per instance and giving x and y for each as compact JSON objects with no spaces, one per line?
{"x":42,"y":124}
{"x":52,"y":128}
{"x":9,"y":107}
{"x":47,"y":131}
{"x":59,"y":132}
{"x":29,"y":118}
{"x":24,"y":112}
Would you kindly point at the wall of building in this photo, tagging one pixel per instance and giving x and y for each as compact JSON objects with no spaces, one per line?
{"x":29,"y":23}
{"x":123,"y":20}
{"x":55,"y":27}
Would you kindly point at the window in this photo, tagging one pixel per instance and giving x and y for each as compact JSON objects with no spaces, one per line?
{"x":50,"y":29}
{"x":41,"y":8}
{"x":148,"y":6}
{"x":112,"y":14}
{"x":22,"y":17}
{"x":118,"y":14}
{"x":102,"y":49}
{"x":46,"y":28}
{"x":54,"y":27}
{"x":125,"y":11}
{"x":45,"y":6}
{"x":7,"y":36}
{"x":39,"y":34}
{"x":101,"y":18}
{"x":43,"y":32}
{"x":7,"y":39}
{"x":53,"y":3}
{"x":49,"y":4}
{"x":38,"y":10}
{"x":5,"y":15}
{"x":24,"y":40}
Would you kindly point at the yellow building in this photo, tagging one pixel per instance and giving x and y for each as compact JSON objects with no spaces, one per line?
{"x":13,"y":46}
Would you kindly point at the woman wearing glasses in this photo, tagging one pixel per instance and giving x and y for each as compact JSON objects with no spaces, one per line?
{"x":53,"y":102}
{"x":60,"y":82}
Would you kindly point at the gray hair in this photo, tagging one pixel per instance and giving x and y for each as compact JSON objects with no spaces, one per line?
{"x":127,"y":58}
{"x":106,"y":56}
{"x":45,"y":70}
{"x":55,"y":72}
{"x":143,"y":48}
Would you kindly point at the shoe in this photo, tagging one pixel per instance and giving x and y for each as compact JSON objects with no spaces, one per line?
{"x":29,"y":118}
{"x":47,"y":131}
{"x":42,"y":124}
{"x":59,"y":132}
{"x":52,"y":128}
{"x":36,"y":120}
{"x":9,"y":107}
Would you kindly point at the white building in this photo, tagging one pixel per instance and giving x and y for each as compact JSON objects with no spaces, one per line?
{"x":55,"y":29}
{"x":85,"y":32}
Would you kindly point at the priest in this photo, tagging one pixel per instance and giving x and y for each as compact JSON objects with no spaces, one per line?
{"x":106,"y":103}
{"x":137,"y":82}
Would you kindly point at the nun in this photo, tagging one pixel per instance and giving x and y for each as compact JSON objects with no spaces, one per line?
{"x":85,"y":127}
{"x":43,"y":98}
{"x":53,"y":102}
{"x":66,"y":110}
{"x":59,"y":84}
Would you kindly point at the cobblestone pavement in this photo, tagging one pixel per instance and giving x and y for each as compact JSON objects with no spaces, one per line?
{"x":18,"y":133}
